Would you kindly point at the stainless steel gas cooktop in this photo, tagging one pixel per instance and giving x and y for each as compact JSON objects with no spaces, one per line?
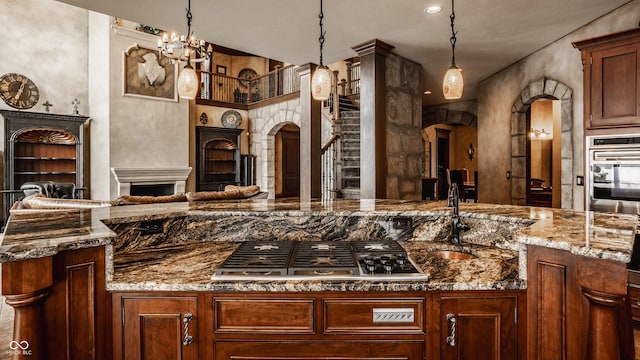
{"x":290,"y":260}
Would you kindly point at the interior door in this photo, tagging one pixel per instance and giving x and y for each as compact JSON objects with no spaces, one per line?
{"x":290,"y":163}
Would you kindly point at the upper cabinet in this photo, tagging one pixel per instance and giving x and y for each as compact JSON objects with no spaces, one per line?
{"x":611,"y":81}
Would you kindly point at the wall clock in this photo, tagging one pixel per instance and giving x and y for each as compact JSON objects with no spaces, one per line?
{"x":245,"y":75}
{"x":18,"y":91}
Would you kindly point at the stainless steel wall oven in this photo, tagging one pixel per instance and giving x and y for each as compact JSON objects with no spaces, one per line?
{"x":613,"y":179}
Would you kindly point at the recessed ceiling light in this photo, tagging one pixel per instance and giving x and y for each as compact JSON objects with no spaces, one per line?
{"x":428,"y":92}
{"x":433,"y":9}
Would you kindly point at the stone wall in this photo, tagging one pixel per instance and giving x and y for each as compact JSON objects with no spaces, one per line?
{"x":405,"y":153}
{"x":497,"y":95}
{"x":264,"y":123}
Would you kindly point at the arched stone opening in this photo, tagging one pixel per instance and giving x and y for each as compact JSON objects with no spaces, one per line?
{"x":539,"y":89}
{"x":274,"y":124}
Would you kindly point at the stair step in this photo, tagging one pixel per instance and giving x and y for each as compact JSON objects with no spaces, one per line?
{"x":351,"y":155}
{"x":350,"y":193}
{"x":350,"y":113}
{"x":351,"y":183}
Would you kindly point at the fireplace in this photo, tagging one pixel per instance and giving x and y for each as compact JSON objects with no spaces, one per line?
{"x":151,"y":181}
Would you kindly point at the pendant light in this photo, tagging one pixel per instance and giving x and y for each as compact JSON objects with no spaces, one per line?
{"x":180,"y":48}
{"x":188,"y":83}
{"x":453,"y":83}
{"x":321,"y":81}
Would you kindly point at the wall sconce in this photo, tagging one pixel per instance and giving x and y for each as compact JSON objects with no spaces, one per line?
{"x":471,"y":151}
{"x":539,"y":134}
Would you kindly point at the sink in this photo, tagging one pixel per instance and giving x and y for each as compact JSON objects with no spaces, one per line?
{"x":452,"y":255}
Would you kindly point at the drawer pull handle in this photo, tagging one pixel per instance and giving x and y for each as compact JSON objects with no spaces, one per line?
{"x":451,"y":339}
{"x":638,"y":302}
{"x":188,"y":339}
{"x":401,"y":315}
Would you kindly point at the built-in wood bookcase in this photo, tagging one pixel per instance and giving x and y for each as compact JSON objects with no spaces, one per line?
{"x":42,"y":147}
{"x":218,"y":158}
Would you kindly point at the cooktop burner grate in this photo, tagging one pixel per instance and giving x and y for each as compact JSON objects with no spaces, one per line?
{"x":322,"y":258}
{"x":317,"y":259}
{"x":258,"y":258}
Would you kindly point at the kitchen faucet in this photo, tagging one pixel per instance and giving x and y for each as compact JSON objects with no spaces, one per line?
{"x":453,"y":200}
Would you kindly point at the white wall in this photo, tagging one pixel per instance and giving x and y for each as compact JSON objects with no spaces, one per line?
{"x":47,"y":42}
{"x":99,"y":33}
{"x":142,"y":132}
{"x":558,"y":61}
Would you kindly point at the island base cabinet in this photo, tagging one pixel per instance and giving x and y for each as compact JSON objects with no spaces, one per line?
{"x":154,"y":328}
{"x":369,"y":350}
{"x":479,"y":328}
{"x":577,"y":307}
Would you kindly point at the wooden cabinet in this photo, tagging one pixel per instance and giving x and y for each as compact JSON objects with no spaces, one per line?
{"x":41,"y":147}
{"x":343,"y":350}
{"x":385,"y":325}
{"x":217,"y":158}
{"x":481,"y":326}
{"x":634,"y":303}
{"x":611,"y":80}
{"x":155,"y":327}
{"x":318,"y":326}
{"x":59,"y":304}
{"x":577,"y":307}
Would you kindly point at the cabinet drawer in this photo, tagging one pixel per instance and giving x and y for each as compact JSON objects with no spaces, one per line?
{"x":354,"y":316}
{"x":264,"y":316}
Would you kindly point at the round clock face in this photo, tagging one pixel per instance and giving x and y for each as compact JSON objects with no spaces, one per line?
{"x":18,"y":91}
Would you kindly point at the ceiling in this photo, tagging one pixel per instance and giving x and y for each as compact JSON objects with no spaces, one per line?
{"x":492,"y":34}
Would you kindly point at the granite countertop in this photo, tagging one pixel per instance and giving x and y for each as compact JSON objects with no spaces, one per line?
{"x":189,"y":266}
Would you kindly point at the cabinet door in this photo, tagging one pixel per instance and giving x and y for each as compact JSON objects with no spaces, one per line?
{"x":159,"y":328}
{"x":345,"y":350}
{"x":615,"y":86}
{"x":478,"y":328}
{"x":556,"y":313}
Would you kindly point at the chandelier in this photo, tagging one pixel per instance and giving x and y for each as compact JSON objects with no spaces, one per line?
{"x":453,"y":83}
{"x":185,"y":48}
{"x":321,"y":81}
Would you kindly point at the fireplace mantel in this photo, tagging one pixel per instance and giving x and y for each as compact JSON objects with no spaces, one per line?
{"x":126,"y":177}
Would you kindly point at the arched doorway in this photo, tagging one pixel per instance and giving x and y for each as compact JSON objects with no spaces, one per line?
{"x":287,"y":161}
{"x":541,"y":89}
{"x":448,"y":136}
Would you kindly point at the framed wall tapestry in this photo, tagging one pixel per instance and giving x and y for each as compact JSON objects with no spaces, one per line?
{"x":148,"y":75}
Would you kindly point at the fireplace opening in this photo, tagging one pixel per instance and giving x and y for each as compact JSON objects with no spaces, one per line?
{"x":152,"y":189}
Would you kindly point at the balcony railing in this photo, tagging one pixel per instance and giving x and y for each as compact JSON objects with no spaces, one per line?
{"x":227,"y":89}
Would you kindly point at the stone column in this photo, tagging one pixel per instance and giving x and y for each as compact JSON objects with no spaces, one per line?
{"x":373,"y":167}
{"x":310,"y":138}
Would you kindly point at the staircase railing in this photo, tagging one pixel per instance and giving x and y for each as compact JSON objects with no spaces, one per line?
{"x":353,"y":79}
{"x":228,"y":89}
{"x":332,"y":105}
{"x":331,"y":168}
{"x":279,"y":82}
{"x":223,"y":88}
